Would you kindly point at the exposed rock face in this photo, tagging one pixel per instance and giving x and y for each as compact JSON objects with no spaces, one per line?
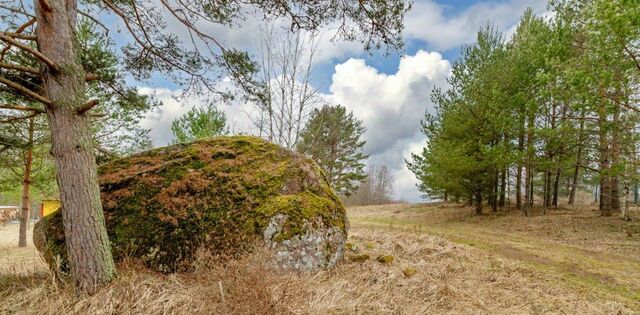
{"x":223,"y":195}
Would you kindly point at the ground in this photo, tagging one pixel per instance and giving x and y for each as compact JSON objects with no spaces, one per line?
{"x":445,"y":260}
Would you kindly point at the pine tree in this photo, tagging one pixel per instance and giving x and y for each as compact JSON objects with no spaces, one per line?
{"x":199,"y":123}
{"x":332,"y":139}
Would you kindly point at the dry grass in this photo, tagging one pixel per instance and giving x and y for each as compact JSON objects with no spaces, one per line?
{"x":453,"y":277}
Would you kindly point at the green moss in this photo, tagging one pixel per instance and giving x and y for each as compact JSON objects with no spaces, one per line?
{"x":352,"y":247}
{"x":409,"y":271}
{"x":162,"y":205}
{"x":385,"y":259}
{"x":359,"y":257}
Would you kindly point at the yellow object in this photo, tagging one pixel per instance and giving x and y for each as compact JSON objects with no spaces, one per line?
{"x":48,"y":207}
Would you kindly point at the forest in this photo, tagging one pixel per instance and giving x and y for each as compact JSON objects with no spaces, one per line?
{"x":551,"y":111}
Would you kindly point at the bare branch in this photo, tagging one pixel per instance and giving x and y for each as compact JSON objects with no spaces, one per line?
{"x":90,"y":17}
{"x":22,"y":108}
{"x":92,"y":77}
{"x":25,"y":91}
{"x":17,"y":11}
{"x":89,"y":105}
{"x":11,"y":66}
{"x":30,"y":50}
{"x":21,"y":36}
{"x":18,"y":31}
{"x":12,"y":119}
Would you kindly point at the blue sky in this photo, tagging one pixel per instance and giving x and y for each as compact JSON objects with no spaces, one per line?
{"x":390,"y":93}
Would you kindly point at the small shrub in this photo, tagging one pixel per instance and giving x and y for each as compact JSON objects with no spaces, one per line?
{"x":359,"y":257}
{"x":385,"y":259}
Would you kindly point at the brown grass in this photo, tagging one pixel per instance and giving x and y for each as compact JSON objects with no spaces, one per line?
{"x":458,"y":272}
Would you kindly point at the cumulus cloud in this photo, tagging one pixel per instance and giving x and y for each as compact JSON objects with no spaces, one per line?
{"x":431,"y":22}
{"x":391,"y":107}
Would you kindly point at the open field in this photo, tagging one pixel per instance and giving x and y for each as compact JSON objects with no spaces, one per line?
{"x":569,"y":261}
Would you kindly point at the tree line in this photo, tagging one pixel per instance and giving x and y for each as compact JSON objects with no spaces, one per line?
{"x":541,"y":113}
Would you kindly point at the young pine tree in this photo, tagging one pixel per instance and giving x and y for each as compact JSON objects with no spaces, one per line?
{"x":332,"y":139}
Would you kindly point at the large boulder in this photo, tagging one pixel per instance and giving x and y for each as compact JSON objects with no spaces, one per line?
{"x":222,"y":195}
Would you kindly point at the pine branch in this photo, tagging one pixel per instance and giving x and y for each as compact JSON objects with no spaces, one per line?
{"x":21,"y":36}
{"x":30,"y":50}
{"x":18,"y":31}
{"x":87,"y":106}
{"x":11,"y":66}
{"x":12,"y":119}
{"x":25,"y":91}
{"x":22,"y":108}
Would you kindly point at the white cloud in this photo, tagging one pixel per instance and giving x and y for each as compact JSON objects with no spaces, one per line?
{"x":391,"y":107}
{"x":173,"y":106}
{"x":432,"y":23}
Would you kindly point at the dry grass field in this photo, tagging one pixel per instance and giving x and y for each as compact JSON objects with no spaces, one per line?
{"x":445,"y":261}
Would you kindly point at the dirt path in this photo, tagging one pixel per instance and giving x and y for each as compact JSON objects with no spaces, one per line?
{"x":606,"y":272}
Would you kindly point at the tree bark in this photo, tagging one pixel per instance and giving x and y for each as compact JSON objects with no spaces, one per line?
{"x":503,"y":188}
{"x":87,"y":243}
{"x":519,"y":170}
{"x":26,"y":184}
{"x":576,"y":171}
{"x":615,"y":160}
{"x":556,"y":187}
{"x":605,"y":166}
{"x":478,"y":195}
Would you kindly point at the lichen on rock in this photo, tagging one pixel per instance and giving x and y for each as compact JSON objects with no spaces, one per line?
{"x":224,"y":195}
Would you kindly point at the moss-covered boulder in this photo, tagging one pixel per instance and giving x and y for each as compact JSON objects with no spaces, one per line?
{"x":223,"y":195}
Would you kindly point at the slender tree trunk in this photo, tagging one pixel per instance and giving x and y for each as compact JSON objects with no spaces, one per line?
{"x":615,"y":160}
{"x":446,"y":196}
{"x":87,"y":243}
{"x":503,"y":187}
{"x":576,"y":171}
{"x":556,"y":187}
{"x":494,"y":192}
{"x":519,"y":170}
{"x":605,"y":166}
{"x":529,"y":161}
{"x":478,"y":195}
{"x":26,"y":184}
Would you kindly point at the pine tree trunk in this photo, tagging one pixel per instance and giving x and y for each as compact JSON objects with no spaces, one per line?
{"x":605,"y":166}
{"x":478,"y":195}
{"x":26,"y":184}
{"x":615,"y":160}
{"x":519,"y":170}
{"x":86,"y":237}
{"x":576,"y":171}
{"x":556,"y":187}
{"x":503,"y":188}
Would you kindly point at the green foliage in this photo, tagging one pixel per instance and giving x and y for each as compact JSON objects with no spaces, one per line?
{"x":199,"y":123}
{"x":332,"y":139}
{"x":554,"y":102}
